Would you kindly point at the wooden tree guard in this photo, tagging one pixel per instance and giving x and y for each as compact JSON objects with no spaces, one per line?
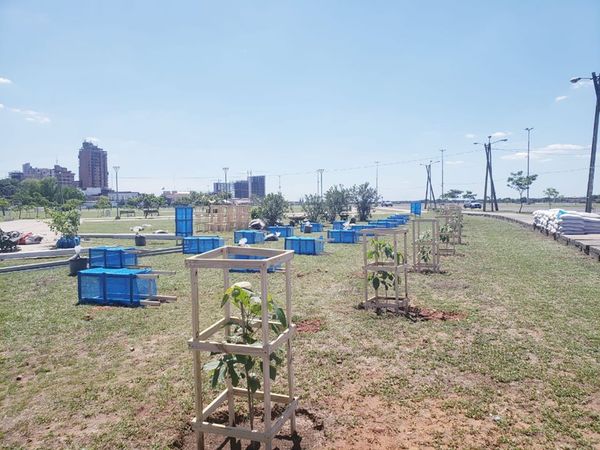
{"x":203,"y":341}
{"x":398,"y":301}
{"x":222,"y":217}
{"x":455,"y":218}
{"x":448,"y":235}
{"x":420,"y":226}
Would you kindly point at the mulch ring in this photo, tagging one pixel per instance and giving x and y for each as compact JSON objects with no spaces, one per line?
{"x":417,"y":314}
{"x":309,"y":326}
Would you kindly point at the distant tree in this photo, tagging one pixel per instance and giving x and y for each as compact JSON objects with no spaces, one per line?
{"x":272,"y":208}
{"x":551,"y":195}
{"x":364,"y":198}
{"x":72,"y":203}
{"x":452,"y":194}
{"x":133,"y":202}
{"x":71,"y":193}
{"x":337,"y":201}
{"x":520,"y":183}
{"x":8,"y":188}
{"x":4,"y":205}
{"x":314,"y":207}
{"x":468,"y":195}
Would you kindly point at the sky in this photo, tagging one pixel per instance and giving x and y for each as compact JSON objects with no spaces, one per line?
{"x":175,"y":91}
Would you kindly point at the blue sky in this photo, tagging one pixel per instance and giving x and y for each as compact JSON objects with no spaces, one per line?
{"x":174,"y":91}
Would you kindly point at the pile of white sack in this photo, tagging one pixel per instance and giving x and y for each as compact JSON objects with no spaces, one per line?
{"x":566,"y":222}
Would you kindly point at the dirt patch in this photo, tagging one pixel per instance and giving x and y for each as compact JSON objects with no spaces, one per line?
{"x":417,"y":314}
{"x":309,"y":326}
{"x":309,"y":432}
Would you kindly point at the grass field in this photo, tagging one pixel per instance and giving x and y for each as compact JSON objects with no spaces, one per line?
{"x":521,"y":369}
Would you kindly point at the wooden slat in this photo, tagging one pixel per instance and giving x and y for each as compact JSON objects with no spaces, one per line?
{"x":282,"y":338}
{"x":279,"y":422}
{"x":259,"y":395}
{"x":223,"y":430}
{"x":149,"y":303}
{"x":208,"y":332}
{"x":214,"y":405}
{"x":223,"y":347}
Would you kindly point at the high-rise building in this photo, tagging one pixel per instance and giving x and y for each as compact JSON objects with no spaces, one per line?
{"x":257,"y":186}
{"x":219,"y":187}
{"x":36,"y":173}
{"x":63,"y":175}
{"x":93,"y":166}
{"x":240,"y":189}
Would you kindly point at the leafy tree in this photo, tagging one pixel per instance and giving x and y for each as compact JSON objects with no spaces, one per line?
{"x":64,"y":222}
{"x":272,"y":208}
{"x":520,"y":183}
{"x":8,"y":188}
{"x":4,"y":205}
{"x":364,"y":198}
{"x":452,"y":194}
{"x":71,"y":193}
{"x":337,"y":201}
{"x":551,"y":195}
{"x":103,"y":204}
{"x":468,"y":195}
{"x":314,"y":207}
{"x":72,"y":203}
{"x":133,"y":202}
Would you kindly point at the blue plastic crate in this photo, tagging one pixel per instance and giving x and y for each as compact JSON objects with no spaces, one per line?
{"x":316,"y":227}
{"x":252,"y":236}
{"x":120,"y":287}
{"x":305,"y":245}
{"x":284,"y":231}
{"x":112,"y":257}
{"x":68,"y":242}
{"x":415,"y":208}
{"x":184,"y":221}
{"x":199,"y":244}
{"x":342,"y":236}
{"x":382,"y":223}
{"x":270,"y":269}
{"x":338,"y":224}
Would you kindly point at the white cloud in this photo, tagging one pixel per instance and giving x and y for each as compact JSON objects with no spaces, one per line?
{"x":582,"y":84}
{"x":501,"y":134}
{"x":5,"y":81}
{"x":1,"y":106}
{"x":453,"y":163}
{"x":470,"y":136}
{"x":93,"y":139}
{"x":560,"y":98}
{"x":31,"y":116}
{"x":542,"y":153}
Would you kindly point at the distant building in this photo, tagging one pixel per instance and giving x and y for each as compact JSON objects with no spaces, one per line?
{"x":219,"y":187}
{"x":240,"y":189}
{"x":252,"y":187}
{"x":172,"y":196}
{"x":93,"y":166}
{"x":16,"y":175}
{"x":63,"y":175}
{"x":123,"y":196}
{"x":35,"y":173}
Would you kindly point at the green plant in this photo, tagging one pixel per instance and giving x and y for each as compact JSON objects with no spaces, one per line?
{"x":64,"y":222}
{"x":314,"y":207}
{"x":445,"y":232}
{"x":382,"y":278}
{"x":520,"y":183}
{"x":551,"y":195}
{"x":246,"y":330}
{"x":424,"y":249}
{"x":272,"y":208}
{"x":381,"y":249}
{"x":365,"y":199}
{"x":337,"y":201}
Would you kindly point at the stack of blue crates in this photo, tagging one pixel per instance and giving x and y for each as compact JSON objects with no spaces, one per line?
{"x":358,"y":228}
{"x":401,"y":218}
{"x":199,"y":244}
{"x":383,"y":223}
{"x":252,"y":236}
{"x":305,"y":245}
{"x":113,"y":257}
{"x":338,"y":224}
{"x":415,"y":208}
{"x":184,"y":221}
{"x":342,"y":236}
{"x":120,"y":287}
{"x":283,"y":231}
{"x":316,"y":227}
{"x":270,"y":269}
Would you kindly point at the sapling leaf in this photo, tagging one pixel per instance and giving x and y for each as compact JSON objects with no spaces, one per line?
{"x":281,"y":316}
{"x":211,"y":365}
{"x":253,"y":383}
{"x":225,"y":298}
{"x":272,"y":372}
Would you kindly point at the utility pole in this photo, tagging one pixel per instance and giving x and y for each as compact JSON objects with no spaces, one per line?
{"x":590,"y":186}
{"x":528,"y":147}
{"x":429,"y":195}
{"x":225,"y":169}
{"x":117,"y":186}
{"x":377,"y":178}
{"x":488,"y":174}
{"x":320,"y":182}
{"x":279,"y":177}
{"x":250,"y":185}
{"x":442,"y":152}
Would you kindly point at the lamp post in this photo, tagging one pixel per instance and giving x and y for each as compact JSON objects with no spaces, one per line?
{"x":117,"y":187}
{"x":377,"y":179}
{"x":528,"y":146}
{"x":442,"y":196}
{"x":225,"y":169}
{"x":590,"y":187}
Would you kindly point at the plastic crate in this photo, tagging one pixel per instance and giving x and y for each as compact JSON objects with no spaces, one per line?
{"x":184,"y":221}
{"x":358,"y":228}
{"x":68,"y":242}
{"x":270,"y":269}
{"x":252,"y":236}
{"x":305,"y":245}
{"x":316,"y":227}
{"x":284,"y":231}
{"x":415,"y":208}
{"x":199,"y":244}
{"x":113,"y":257}
{"x":382,"y":223}
{"x":114,"y":286}
{"x":338,"y":224}
{"x":342,"y":236}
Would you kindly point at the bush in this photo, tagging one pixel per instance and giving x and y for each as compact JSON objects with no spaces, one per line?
{"x":314,"y":207}
{"x":272,"y":208}
{"x":365,"y":199}
{"x":337,"y":201}
{"x":66,"y":223}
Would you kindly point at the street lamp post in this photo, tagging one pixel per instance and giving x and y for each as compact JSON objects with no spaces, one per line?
{"x":590,"y":187}
{"x":225,"y":170}
{"x":377,"y":179}
{"x":528,"y":146}
{"x":117,"y":187}
{"x":442,"y":196}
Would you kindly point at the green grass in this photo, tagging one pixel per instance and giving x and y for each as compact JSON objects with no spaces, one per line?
{"x":521,"y":370}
